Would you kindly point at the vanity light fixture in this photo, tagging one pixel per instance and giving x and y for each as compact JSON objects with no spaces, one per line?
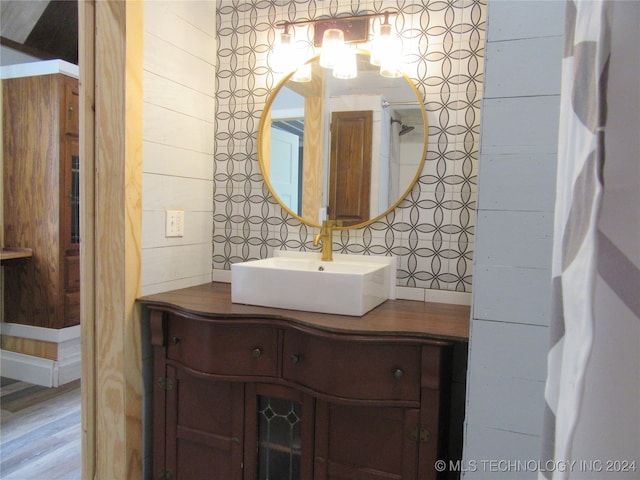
{"x":334,"y":37}
{"x":332,"y":47}
{"x":386,"y":51}
{"x":283,"y":55}
{"x":383,"y":44}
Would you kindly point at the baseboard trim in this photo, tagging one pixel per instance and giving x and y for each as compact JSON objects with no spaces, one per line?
{"x":43,"y":371}
{"x":39,"y":371}
{"x":55,"y":335}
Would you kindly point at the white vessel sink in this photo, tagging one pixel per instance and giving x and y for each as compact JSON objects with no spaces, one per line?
{"x":349,"y":285}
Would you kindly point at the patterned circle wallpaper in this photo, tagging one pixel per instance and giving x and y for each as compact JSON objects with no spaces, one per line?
{"x":432,"y":230}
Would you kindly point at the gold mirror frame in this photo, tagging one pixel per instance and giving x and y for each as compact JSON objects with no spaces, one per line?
{"x":265,"y":122}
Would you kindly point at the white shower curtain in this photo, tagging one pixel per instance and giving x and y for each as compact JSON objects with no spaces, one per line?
{"x":581,"y":154}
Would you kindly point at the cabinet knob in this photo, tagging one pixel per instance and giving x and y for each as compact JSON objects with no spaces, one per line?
{"x":175,"y":340}
{"x":256,"y":352}
{"x":398,"y":373}
{"x":296,"y":358}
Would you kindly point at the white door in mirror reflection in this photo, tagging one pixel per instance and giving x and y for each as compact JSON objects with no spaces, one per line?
{"x":285,"y":165}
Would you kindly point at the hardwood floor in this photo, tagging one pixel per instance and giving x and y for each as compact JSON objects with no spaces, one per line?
{"x":39,"y":431}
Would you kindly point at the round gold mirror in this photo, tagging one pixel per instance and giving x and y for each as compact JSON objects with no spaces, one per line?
{"x":346,"y":150}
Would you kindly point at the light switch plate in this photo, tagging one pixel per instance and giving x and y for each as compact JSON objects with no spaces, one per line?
{"x":175,"y":223}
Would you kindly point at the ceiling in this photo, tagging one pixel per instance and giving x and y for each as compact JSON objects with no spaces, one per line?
{"x":44,"y":29}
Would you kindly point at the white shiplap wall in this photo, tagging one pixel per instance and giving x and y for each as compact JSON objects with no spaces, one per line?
{"x":512,"y":264}
{"x":179,"y":110}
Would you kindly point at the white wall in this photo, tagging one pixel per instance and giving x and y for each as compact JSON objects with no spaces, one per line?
{"x":512,"y":275}
{"x":179,"y":115}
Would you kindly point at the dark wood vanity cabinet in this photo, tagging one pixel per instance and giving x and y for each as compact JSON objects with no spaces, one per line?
{"x":198,"y":427}
{"x":243,"y":397}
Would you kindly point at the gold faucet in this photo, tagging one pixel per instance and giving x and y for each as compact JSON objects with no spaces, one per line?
{"x":326,"y":237}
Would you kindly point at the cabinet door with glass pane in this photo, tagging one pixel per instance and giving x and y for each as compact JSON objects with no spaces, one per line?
{"x":70,"y":229}
{"x":279,"y":433}
{"x":69,"y":164}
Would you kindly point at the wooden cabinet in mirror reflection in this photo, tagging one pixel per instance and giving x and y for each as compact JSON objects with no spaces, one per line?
{"x":41,"y":199}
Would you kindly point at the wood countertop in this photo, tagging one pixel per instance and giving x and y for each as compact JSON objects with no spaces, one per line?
{"x":424,"y":319}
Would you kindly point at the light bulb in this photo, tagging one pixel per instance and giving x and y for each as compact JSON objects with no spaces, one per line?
{"x":391,"y":69}
{"x":283,"y":54}
{"x":391,"y":60}
{"x":302,"y":74}
{"x":345,"y":66}
{"x":382,"y":45}
{"x":332,"y":45}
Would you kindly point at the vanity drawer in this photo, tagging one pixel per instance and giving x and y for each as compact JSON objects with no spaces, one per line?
{"x":223,"y":349}
{"x":348,"y":369}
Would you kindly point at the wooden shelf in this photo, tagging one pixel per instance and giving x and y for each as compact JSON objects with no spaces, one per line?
{"x":12,"y":256}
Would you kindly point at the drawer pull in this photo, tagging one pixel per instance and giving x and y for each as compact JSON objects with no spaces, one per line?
{"x":256,"y":352}
{"x":398,"y":373}
{"x":175,"y":340}
{"x":296,"y":358}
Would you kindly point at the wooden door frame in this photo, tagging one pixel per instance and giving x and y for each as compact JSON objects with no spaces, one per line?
{"x":110,"y":58}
